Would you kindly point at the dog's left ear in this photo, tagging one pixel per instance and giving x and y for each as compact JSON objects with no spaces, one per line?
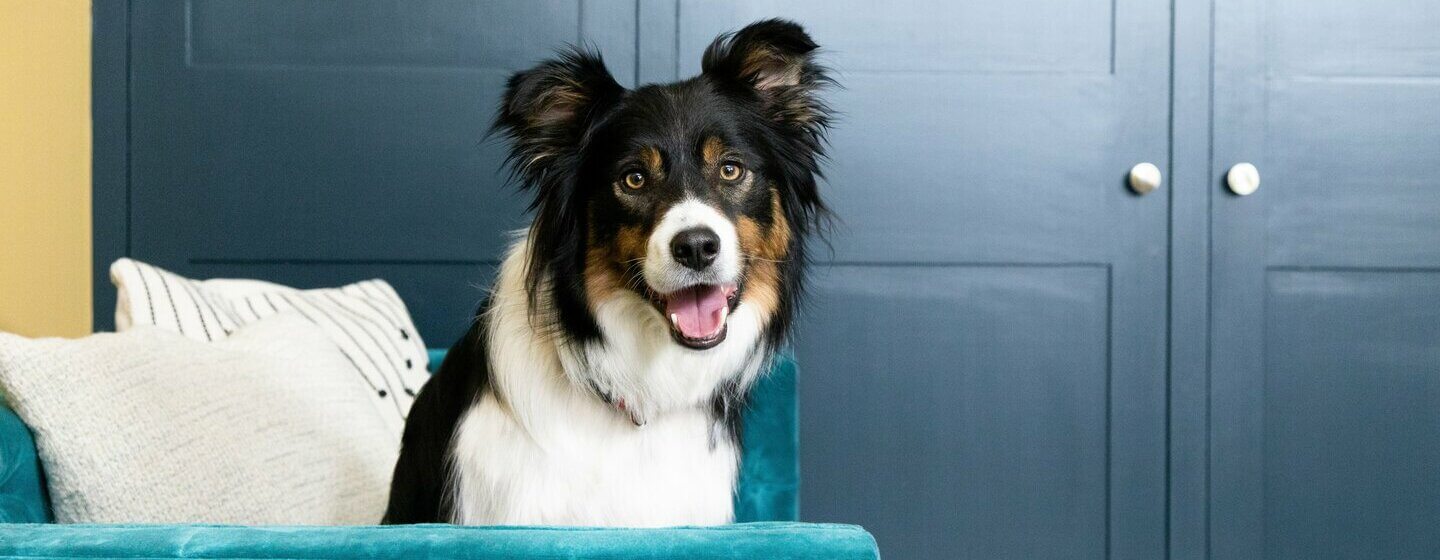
{"x":776,"y":59}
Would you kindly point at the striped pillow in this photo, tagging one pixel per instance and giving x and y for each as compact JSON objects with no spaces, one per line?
{"x":367,"y":320}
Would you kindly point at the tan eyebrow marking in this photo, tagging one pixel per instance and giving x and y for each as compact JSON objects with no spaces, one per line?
{"x":654,"y":161}
{"x":712,"y":150}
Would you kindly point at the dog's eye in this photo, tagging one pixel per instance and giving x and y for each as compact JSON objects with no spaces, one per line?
{"x":731,"y":171}
{"x":634,"y":179}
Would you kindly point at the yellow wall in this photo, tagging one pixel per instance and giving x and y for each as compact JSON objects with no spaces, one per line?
{"x":45,"y":167}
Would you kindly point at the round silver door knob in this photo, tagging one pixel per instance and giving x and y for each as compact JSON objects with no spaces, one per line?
{"x":1243,"y":179}
{"x":1144,"y":177}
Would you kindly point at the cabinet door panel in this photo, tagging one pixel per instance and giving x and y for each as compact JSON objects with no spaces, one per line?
{"x":959,"y":411}
{"x":1326,"y":281}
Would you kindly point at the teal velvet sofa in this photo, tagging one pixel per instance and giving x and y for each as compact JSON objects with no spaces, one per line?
{"x":766,"y":506}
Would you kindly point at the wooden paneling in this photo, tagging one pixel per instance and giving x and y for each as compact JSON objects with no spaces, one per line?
{"x":1351,"y":422}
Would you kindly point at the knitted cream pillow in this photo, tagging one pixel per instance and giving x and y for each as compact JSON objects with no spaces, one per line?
{"x":367,"y":320}
{"x":265,"y":427}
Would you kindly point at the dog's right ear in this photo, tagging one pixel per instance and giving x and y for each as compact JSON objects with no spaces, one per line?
{"x":547,"y":109}
{"x":546,"y":113}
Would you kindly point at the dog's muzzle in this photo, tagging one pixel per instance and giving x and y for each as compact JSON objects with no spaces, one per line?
{"x":692,"y":269}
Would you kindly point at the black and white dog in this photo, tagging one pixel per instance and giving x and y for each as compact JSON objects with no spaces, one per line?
{"x":603,"y":379}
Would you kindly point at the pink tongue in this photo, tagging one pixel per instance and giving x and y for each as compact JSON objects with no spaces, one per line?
{"x":698,"y":310}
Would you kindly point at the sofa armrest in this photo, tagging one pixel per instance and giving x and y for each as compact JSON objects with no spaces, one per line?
{"x":775,"y":540}
{"x":22,"y":492}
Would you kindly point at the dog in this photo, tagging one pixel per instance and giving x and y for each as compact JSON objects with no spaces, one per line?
{"x":602,"y":380}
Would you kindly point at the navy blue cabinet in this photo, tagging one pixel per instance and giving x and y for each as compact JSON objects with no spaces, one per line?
{"x":1009,"y":353}
{"x":1326,"y":284}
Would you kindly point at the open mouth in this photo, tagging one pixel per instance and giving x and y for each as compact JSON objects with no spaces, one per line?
{"x":697,"y":314}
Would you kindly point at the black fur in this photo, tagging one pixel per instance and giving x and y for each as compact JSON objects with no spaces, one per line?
{"x":574,"y":130}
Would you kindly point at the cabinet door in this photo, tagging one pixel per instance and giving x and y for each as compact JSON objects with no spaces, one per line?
{"x":983,"y":365}
{"x":1325,"y":403}
{"x":315,"y":144}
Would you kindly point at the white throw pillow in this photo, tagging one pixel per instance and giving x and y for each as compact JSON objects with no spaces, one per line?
{"x":265,"y":427}
{"x":367,"y":320}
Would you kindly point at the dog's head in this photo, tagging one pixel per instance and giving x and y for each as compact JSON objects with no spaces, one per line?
{"x":696,"y":196}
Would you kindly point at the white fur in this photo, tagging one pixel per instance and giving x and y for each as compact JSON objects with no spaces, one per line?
{"x":549,"y":451}
{"x":664,"y":274}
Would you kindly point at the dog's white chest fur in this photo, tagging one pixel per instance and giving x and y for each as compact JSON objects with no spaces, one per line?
{"x":605,"y":472}
{"x":547,"y":451}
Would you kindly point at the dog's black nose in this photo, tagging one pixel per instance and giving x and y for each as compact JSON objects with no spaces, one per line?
{"x":695,"y":248}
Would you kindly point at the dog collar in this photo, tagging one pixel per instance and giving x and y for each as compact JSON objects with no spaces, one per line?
{"x":620,"y":405}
